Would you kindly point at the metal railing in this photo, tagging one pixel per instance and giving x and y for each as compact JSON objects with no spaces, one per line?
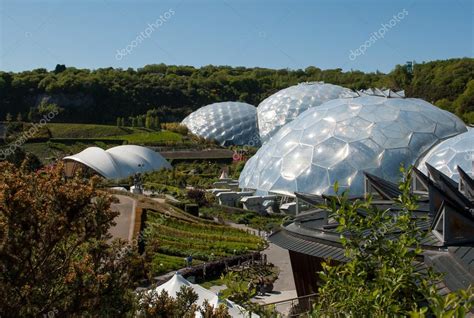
{"x":295,"y":307}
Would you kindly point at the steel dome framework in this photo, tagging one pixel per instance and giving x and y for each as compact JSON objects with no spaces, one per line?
{"x":229,"y":123}
{"x":285,"y":105}
{"x":340,"y":139}
{"x":450,"y":153}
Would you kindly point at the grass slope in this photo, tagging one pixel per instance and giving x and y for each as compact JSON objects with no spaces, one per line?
{"x":174,"y":234}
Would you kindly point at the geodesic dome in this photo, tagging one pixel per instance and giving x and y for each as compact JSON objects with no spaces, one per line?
{"x":341,"y":139}
{"x":450,"y":153}
{"x":285,"y":105}
{"x":229,"y":123}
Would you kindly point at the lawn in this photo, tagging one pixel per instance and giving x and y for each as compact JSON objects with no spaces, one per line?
{"x":67,"y":130}
{"x":150,"y":137}
{"x":131,"y":135}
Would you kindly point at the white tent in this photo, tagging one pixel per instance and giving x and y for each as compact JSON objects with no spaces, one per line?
{"x":117,"y":162}
{"x":173,"y":286}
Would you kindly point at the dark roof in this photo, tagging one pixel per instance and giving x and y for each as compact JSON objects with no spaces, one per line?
{"x":301,"y":244}
{"x":468,"y":183}
{"x":456,"y":276}
{"x":314,"y":232}
{"x":387,"y":190}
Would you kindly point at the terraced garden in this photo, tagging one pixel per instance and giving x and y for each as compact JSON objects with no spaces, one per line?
{"x":171,"y":239}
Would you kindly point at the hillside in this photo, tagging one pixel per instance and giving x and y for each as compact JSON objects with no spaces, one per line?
{"x":56,"y":140}
{"x":170,"y":230}
{"x":175,"y":91}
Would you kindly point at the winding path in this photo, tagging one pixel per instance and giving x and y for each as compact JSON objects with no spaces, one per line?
{"x":125,"y":220}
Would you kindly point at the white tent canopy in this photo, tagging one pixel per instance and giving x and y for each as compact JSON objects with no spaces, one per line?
{"x":117,"y":162}
{"x":173,"y":286}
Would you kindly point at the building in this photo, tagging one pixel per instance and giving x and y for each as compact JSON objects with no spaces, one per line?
{"x":228,"y":123}
{"x":448,"y":247}
{"x":115,"y":163}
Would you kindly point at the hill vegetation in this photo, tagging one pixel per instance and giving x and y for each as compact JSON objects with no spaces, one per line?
{"x":103,"y":95}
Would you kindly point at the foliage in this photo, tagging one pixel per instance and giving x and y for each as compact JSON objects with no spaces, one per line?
{"x":176,"y":127}
{"x":380,"y":278}
{"x":55,"y":252}
{"x":242,"y":292}
{"x":238,"y":290}
{"x":197,"y":196}
{"x":171,"y":237}
{"x":183,"y":305}
{"x":174,"y":91}
{"x":250,"y":218}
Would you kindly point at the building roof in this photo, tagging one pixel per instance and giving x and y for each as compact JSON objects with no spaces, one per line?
{"x":285,"y":105}
{"x":451,"y":153}
{"x":228,"y":123}
{"x":342,"y":139}
{"x":448,"y":246}
{"x":117,"y":162}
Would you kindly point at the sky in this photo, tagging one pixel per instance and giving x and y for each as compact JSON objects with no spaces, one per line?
{"x":348,"y":34}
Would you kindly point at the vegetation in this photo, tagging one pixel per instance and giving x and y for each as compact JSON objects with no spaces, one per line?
{"x":250,"y":218}
{"x":200,"y":175}
{"x":184,"y":305}
{"x":380,"y":278}
{"x":171,"y":236}
{"x":55,"y":252}
{"x":174,"y":91}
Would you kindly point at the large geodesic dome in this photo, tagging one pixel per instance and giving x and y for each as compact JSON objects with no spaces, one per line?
{"x":450,"y":153}
{"x":341,"y":139}
{"x":229,"y":123}
{"x":285,"y":105}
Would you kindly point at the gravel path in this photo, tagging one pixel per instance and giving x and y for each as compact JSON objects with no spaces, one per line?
{"x":125,"y":220}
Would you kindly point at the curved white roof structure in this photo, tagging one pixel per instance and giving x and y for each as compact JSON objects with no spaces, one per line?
{"x":453,"y":152}
{"x":229,"y":123}
{"x":341,"y":139}
{"x":117,"y":162}
{"x":285,"y":105}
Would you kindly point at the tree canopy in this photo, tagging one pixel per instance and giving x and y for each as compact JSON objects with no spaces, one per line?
{"x":175,"y":91}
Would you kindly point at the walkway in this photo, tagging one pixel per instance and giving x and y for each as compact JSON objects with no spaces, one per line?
{"x":284,"y":287}
{"x":125,"y":220}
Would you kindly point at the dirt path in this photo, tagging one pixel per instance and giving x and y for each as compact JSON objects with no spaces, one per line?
{"x":125,"y":220}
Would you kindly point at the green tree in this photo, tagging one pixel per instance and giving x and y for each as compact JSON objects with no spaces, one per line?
{"x":119,"y":121}
{"x":133,"y":121}
{"x":9,"y":117}
{"x":156,"y":122}
{"x":380,"y":279}
{"x":55,"y":253}
{"x":19,"y":118}
{"x":153,"y":304}
{"x":148,"y":121}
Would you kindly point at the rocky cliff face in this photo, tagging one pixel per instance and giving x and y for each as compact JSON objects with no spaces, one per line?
{"x":65,"y":101}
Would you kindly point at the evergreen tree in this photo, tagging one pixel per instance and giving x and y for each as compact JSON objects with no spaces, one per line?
{"x":9,"y":117}
{"x":148,"y":122}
